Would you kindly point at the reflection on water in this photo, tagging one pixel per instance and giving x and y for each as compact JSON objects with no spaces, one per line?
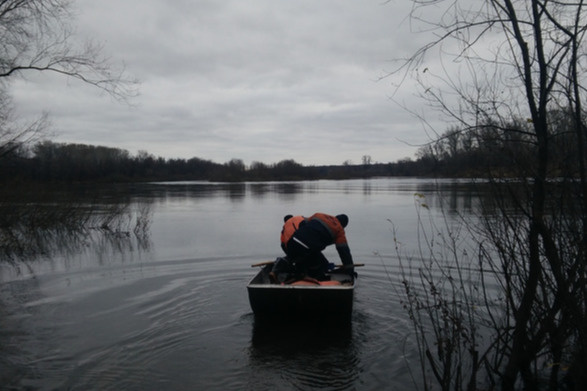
{"x":233,"y":191}
{"x":304,"y":354}
{"x":143,"y":286}
{"x":457,"y":195}
{"x":61,"y":223}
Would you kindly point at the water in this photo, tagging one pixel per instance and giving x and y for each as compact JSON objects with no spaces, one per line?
{"x":169,"y":309}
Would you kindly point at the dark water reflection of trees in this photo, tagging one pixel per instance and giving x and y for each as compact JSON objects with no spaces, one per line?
{"x":47,"y":222}
{"x":232,"y":190}
{"x":44,"y":222}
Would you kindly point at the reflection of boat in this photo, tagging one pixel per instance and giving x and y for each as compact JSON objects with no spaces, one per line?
{"x":304,"y":354}
{"x":277,"y":336}
{"x":267,"y":298}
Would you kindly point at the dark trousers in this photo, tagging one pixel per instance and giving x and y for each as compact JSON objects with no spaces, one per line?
{"x":307,"y":261}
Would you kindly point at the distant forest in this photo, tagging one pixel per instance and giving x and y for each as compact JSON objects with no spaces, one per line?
{"x":487,"y":150}
{"x":58,"y":162}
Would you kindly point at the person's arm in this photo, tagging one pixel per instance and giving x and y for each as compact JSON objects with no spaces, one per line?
{"x":345,"y":254}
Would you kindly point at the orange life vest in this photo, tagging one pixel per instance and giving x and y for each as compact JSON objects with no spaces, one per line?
{"x":333,"y":226}
{"x":289,"y":228}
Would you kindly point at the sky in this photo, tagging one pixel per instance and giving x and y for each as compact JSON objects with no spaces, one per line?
{"x":261,"y":80}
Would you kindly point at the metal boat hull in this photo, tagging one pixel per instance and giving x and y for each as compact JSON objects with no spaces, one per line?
{"x":267,"y":299}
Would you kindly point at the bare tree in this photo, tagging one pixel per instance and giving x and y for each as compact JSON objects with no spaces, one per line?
{"x":14,"y":134}
{"x":37,"y":35}
{"x":489,"y":63}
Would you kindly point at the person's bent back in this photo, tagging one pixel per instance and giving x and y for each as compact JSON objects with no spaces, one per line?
{"x":321,"y":230}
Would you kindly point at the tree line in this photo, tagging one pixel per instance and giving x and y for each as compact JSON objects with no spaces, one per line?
{"x":493,"y":150}
{"x":489,"y":149}
{"x":49,"y":161}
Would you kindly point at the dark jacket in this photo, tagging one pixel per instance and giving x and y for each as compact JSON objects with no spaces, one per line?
{"x":321,"y":230}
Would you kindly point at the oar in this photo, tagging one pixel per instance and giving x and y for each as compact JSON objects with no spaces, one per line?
{"x":348,"y":266}
{"x":263,"y":263}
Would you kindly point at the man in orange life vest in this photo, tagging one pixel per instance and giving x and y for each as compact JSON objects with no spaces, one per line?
{"x":305,"y":244}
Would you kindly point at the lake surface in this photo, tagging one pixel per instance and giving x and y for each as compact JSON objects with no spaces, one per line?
{"x":167,"y":307}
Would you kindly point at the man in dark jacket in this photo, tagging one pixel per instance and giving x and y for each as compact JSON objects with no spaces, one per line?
{"x":316,"y":232}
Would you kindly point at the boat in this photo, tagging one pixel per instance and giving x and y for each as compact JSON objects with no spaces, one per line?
{"x":302,"y":297}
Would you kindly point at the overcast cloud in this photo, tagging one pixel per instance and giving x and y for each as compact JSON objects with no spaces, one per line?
{"x":257,"y":80}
